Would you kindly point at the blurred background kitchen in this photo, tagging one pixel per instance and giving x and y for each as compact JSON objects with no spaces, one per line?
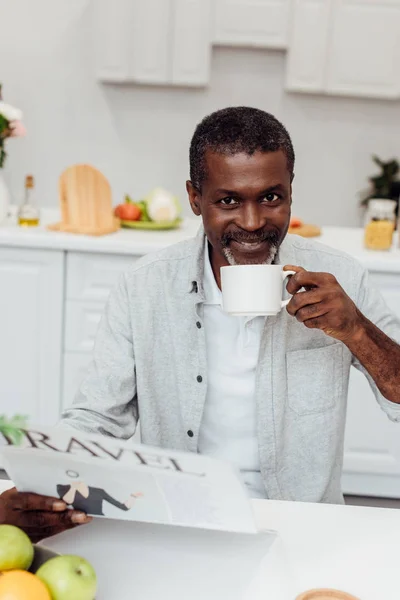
{"x":120,"y":85}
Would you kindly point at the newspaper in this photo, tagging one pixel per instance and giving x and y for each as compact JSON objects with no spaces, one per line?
{"x":110,"y":478}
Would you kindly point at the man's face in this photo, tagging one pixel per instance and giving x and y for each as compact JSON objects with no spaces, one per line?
{"x":245,"y":205}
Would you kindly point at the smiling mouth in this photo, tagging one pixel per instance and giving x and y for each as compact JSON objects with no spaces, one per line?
{"x":249,"y":246}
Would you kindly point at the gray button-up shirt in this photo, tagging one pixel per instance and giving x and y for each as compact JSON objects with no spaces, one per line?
{"x":150,"y":360}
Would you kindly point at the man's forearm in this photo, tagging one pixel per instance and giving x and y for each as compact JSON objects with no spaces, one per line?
{"x":380,"y":356}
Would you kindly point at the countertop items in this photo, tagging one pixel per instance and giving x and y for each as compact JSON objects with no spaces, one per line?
{"x":133,"y":242}
{"x":123,"y":241}
{"x":352,"y":549}
{"x":85,"y":202}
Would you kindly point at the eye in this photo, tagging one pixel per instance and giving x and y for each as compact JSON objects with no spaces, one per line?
{"x":271,"y":197}
{"x":229,"y":201}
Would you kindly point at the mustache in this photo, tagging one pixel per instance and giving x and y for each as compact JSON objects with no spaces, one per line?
{"x":272,"y":236}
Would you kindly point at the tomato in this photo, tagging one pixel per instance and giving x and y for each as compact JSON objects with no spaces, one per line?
{"x":295,"y":222}
{"x":128,"y":212}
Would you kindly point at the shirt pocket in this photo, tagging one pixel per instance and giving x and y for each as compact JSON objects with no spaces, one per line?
{"x":314,"y":379}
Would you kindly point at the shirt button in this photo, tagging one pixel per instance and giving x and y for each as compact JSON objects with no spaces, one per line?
{"x":190,"y":433}
{"x":198,"y":325}
{"x":199,"y":378}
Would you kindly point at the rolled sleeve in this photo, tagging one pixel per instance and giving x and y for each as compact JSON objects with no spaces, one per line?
{"x":372,"y":305}
{"x":106,"y":402}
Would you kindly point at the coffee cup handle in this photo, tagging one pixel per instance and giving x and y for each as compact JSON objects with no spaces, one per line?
{"x":284,"y":275}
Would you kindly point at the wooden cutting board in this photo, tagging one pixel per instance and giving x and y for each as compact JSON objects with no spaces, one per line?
{"x":322,"y":594}
{"x":85,"y":202}
{"x":306,"y":230}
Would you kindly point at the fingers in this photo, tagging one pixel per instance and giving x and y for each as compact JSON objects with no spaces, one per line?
{"x":26,"y":501}
{"x":308,"y":311}
{"x":293,"y":268}
{"x":57,"y":521}
{"x":39,"y":516}
{"x":43,"y":525}
{"x":303,"y":299}
{"x":307,"y":279}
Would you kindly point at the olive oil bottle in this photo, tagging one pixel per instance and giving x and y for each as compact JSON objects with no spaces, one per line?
{"x":28,"y":214}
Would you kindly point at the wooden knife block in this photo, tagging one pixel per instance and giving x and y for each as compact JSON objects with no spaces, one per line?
{"x":85,"y":202}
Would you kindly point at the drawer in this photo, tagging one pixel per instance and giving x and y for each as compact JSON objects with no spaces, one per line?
{"x":92,"y":276}
{"x":81,"y":322}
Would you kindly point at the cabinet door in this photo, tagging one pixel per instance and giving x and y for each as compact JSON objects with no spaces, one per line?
{"x":259,"y":23}
{"x":308,"y":45}
{"x":370,"y":466}
{"x":364,"y":53}
{"x":191,"y":42}
{"x":82,"y":320}
{"x":31,"y":305}
{"x":93,"y":276}
{"x":132,"y":40}
{"x":151,"y":41}
{"x":112,"y":25}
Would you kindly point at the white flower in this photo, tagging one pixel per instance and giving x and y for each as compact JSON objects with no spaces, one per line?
{"x":10,"y":113}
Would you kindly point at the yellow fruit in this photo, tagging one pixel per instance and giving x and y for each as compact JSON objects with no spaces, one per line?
{"x":21,"y":585}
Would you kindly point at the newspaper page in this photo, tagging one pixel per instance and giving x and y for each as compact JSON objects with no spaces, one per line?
{"x":105,"y":477}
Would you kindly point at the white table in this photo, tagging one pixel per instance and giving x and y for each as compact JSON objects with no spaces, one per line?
{"x":355,"y":549}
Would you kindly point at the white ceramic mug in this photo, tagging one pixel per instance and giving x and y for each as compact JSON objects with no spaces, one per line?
{"x":249,"y":290}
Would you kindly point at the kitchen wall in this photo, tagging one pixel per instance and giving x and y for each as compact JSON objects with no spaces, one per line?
{"x":139,"y":136}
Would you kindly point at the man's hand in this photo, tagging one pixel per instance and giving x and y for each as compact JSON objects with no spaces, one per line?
{"x":38,"y":516}
{"x":323,"y":305}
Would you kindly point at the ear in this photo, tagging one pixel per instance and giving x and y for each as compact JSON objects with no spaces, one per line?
{"x":194,"y":198}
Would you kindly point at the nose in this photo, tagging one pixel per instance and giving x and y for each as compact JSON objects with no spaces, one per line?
{"x":251,"y":218}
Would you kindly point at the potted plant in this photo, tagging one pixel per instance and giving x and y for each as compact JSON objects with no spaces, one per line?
{"x":13,"y":428}
{"x":386,"y":184}
{"x":10,"y":126}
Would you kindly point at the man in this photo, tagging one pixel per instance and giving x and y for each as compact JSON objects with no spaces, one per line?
{"x":267,"y":394}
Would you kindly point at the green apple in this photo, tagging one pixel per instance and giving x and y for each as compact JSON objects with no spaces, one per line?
{"x":69,"y":577}
{"x":16,"y":550}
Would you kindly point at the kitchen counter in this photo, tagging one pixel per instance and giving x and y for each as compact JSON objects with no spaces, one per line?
{"x":124,"y":241}
{"x":136,"y":242}
{"x":354,"y":549}
{"x":350,"y":240}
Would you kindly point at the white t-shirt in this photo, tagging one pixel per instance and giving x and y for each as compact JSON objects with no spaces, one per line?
{"x":228,"y":429}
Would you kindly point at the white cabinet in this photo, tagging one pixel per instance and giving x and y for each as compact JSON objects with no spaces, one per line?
{"x":91,"y":276}
{"x":308,"y":45}
{"x":191,"y":42}
{"x":81,"y":322}
{"x":31,"y":317}
{"x":150,"y":41}
{"x":364,"y":52}
{"x":153,"y":41}
{"x":132,"y":40}
{"x":370,"y":466}
{"x":258,"y":23}
{"x":89,"y":280}
{"x":345,"y":47}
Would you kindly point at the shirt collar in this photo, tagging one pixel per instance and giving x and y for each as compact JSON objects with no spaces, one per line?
{"x":212,"y":293}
